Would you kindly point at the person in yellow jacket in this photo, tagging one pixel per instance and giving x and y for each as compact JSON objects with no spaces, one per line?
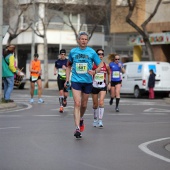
{"x":8,"y":72}
{"x":35,"y":76}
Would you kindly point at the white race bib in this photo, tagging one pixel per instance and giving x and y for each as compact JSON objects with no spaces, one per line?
{"x":81,"y":68}
{"x":99,"y":77}
{"x":61,"y":71}
{"x":116,"y":74}
{"x":34,"y":78}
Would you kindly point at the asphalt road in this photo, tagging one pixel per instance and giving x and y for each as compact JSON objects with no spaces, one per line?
{"x":38,"y":137}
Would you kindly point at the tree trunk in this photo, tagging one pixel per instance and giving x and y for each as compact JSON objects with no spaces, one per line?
{"x":45,"y":61}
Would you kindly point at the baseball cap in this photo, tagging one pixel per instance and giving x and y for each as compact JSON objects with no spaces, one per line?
{"x":62,"y":51}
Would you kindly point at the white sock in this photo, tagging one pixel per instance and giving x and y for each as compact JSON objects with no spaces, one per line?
{"x":101,"y":112}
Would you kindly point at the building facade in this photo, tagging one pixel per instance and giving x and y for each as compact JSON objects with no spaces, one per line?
{"x":158,"y":28}
{"x":54,"y":15}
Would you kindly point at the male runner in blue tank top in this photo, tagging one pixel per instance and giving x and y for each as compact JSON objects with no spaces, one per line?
{"x":81,"y":60}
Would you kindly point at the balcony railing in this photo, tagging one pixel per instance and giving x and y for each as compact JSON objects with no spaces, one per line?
{"x":85,"y":2}
{"x":85,"y":27}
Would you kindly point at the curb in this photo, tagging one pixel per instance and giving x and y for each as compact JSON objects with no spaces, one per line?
{"x":4,"y":106}
{"x":167,"y":100}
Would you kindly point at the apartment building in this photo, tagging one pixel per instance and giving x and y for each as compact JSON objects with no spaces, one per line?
{"x":158,"y":28}
{"x":59,"y":34}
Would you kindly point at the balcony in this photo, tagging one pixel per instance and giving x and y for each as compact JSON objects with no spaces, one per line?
{"x":85,"y":2}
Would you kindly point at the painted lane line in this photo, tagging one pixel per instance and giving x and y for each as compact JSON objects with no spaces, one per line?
{"x":145,"y":149}
{"x":156,"y":110}
{"x":5,"y":116}
{"x":9,"y":128}
{"x":46,"y":115}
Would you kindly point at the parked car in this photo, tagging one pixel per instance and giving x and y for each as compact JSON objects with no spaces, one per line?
{"x":19,"y":81}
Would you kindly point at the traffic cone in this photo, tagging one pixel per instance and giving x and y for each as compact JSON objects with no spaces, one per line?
{"x":35,"y":89}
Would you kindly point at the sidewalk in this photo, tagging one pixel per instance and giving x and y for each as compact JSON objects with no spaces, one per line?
{"x":4,"y":106}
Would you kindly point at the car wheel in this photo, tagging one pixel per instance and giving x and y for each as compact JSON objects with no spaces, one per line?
{"x":21,"y":86}
{"x":137,"y":92}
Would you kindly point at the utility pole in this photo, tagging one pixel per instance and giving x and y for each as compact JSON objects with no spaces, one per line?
{"x":1,"y":24}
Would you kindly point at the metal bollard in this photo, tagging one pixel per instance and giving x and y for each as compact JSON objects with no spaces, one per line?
{"x":35,"y":89}
{"x":70,"y":93}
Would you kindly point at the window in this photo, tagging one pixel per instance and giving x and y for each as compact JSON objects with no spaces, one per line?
{"x":166,"y":1}
{"x":121,"y":3}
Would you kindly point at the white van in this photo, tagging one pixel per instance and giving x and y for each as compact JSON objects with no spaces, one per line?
{"x":135,"y":79}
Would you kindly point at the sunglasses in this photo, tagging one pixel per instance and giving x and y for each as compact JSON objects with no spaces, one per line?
{"x":117,"y":59}
{"x":100,"y":53}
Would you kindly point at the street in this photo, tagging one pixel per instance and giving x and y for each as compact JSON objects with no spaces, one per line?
{"x":38,"y":137}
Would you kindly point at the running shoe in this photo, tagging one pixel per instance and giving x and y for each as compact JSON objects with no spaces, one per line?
{"x":117,"y":109}
{"x":100,"y":124}
{"x":95,"y":123}
{"x":64,"y":103}
{"x":111,"y":101}
{"x":82,"y":127}
{"x":77,"y":134}
{"x":40,"y":100}
{"x":61,"y":109}
{"x":31,"y":100}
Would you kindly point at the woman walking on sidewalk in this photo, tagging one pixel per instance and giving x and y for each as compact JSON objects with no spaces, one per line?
{"x":151,"y":84}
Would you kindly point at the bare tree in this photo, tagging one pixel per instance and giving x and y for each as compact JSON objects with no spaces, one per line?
{"x":91,"y":12}
{"x":94,"y":13}
{"x":41,"y":26}
{"x":14,"y":21}
{"x":132,"y":4}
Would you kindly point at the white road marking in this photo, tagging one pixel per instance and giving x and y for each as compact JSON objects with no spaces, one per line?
{"x":144,"y":148}
{"x":9,"y":128}
{"x":46,"y":115}
{"x":156,"y":110}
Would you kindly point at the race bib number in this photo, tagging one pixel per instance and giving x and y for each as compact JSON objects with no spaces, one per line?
{"x":99,"y":77}
{"x":61,"y":72}
{"x":34,"y":78}
{"x":116,"y":74}
{"x":81,"y":68}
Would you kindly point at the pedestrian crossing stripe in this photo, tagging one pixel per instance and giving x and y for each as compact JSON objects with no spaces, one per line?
{"x":156,"y":110}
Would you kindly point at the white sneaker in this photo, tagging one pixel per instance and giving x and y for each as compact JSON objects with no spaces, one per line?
{"x":100,"y":124}
{"x":31,"y":100}
{"x":40,"y":100}
{"x":95,"y":123}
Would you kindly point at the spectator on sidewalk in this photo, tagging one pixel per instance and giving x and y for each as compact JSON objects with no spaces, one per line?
{"x":8,"y":72}
{"x":151,"y":84}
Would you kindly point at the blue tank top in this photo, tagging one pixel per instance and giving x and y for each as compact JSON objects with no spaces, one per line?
{"x":115,"y":71}
{"x":82,"y":60}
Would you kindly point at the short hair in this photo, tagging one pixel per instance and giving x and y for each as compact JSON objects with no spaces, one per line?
{"x":62,"y":51}
{"x":82,"y":33}
{"x":36,"y":55}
